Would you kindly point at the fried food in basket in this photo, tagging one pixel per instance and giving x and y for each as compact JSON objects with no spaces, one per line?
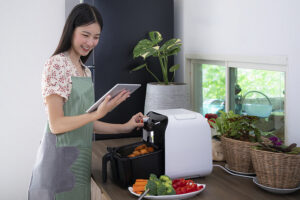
{"x":150,"y":149}
{"x":142,"y":146}
{"x":140,"y":150}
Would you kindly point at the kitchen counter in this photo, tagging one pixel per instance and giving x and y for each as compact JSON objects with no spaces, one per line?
{"x":219,"y":184}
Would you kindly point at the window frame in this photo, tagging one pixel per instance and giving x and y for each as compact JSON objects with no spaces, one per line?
{"x":271,"y":63}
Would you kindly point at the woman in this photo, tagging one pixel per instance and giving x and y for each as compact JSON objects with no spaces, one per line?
{"x":63,"y":166}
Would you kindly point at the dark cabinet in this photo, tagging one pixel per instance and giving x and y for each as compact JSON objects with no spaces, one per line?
{"x":125,"y":23}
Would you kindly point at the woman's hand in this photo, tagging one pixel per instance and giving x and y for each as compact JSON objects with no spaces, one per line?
{"x":134,"y":122}
{"x":109,"y":104}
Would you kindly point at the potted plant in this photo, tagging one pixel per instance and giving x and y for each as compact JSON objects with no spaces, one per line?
{"x":164,"y":93}
{"x":238,"y":134}
{"x":211,"y":118}
{"x":217,"y":149}
{"x":276,"y":165}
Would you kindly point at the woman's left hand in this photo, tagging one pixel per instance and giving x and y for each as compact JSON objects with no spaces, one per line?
{"x":136,"y":121}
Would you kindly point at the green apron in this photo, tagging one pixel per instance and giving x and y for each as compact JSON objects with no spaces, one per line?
{"x":63,"y":167}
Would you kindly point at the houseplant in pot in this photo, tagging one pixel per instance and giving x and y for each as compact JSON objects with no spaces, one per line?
{"x":162,"y":94}
{"x":217,"y":149}
{"x":238,"y":134}
{"x":276,"y":165}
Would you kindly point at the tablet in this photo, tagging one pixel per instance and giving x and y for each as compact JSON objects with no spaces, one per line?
{"x":114,"y":91}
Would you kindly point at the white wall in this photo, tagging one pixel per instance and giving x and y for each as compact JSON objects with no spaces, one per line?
{"x":247,"y":27}
{"x":30,"y":31}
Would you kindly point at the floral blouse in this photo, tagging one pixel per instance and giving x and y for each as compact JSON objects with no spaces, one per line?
{"x":56,"y":77}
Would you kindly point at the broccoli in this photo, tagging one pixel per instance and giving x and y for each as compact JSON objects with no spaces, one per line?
{"x":165,"y":179}
{"x":161,"y":186}
{"x":157,"y":182}
{"x":161,"y":189}
{"x":166,"y":184}
{"x":152,"y":187}
{"x":170,"y":190}
{"x":165,"y":189}
{"x":153,"y":177}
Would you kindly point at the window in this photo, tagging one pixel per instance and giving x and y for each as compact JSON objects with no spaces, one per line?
{"x":209,"y":90}
{"x":245,"y":85}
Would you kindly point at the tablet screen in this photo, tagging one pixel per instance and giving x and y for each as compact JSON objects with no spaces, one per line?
{"x":114,"y":91}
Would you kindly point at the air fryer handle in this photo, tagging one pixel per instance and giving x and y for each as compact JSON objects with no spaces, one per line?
{"x":105,"y":159}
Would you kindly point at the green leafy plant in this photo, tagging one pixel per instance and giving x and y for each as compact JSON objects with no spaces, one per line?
{"x":275,"y":144}
{"x":221,"y":124}
{"x":236,"y":126}
{"x":146,"y":48}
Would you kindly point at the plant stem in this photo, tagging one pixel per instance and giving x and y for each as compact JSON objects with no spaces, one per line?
{"x":165,"y":72}
{"x":166,"y":68}
{"x":152,"y":73}
{"x":162,"y":64}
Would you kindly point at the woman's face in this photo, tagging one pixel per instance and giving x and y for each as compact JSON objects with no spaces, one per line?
{"x":85,"y":38}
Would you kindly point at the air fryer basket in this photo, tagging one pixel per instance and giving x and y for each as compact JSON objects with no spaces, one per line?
{"x":126,"y":170}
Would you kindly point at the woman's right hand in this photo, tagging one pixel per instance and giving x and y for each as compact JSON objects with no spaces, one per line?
{"x":109,"y":104}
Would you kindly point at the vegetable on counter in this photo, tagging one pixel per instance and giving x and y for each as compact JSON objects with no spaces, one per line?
{"x":161,"y":186}
{"x":164,"y":186}
{"x":139,"y":186}
{"x":183,"y":186}
{"x":151,"y":185}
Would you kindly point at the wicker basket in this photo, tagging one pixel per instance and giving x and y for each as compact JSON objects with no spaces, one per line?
{"x":277,"y":170}
{"x":237,"y":154}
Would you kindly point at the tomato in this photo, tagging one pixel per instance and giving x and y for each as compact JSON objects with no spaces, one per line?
{"x":182,"y":182}
{"x":183,"y":190}
{"x":194,"y":187}
{"x":182,"y":186}
{"x":175,"y":185}
{"x":178,"y":191}
{"x":175,"y":181}
{"x":199,"y":187}
{"x":189,"y":189}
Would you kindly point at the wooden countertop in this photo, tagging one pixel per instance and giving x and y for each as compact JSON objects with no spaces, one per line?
{"x":219,"y":184}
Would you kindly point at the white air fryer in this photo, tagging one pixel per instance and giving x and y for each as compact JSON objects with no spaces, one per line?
{"x":186,"y":138}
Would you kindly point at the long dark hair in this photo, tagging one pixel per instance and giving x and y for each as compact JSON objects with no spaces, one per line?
{"x":82,"y":14}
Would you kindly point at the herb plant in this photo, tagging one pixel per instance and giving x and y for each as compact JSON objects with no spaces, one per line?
{"x":238,"y":127}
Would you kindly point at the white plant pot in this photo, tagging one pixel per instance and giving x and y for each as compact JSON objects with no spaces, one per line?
{"x":175,"y":95}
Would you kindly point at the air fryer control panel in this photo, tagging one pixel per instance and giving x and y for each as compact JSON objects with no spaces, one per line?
{"x":154,"y":129}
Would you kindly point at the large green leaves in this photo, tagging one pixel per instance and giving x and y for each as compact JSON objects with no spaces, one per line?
{"x":174,"y":68}
{"x":155,"y":37}
{"x":171,"y":47}
{"x":150,"y":47}
{"x":144,"y":49}
{"x":173,"y":52}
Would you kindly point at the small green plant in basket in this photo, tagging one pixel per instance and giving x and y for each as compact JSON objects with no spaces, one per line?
{"x":275,"y":144}
{"x":237,"y":127}
{"x":276,"y":165}
{"x":238,"y":134}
